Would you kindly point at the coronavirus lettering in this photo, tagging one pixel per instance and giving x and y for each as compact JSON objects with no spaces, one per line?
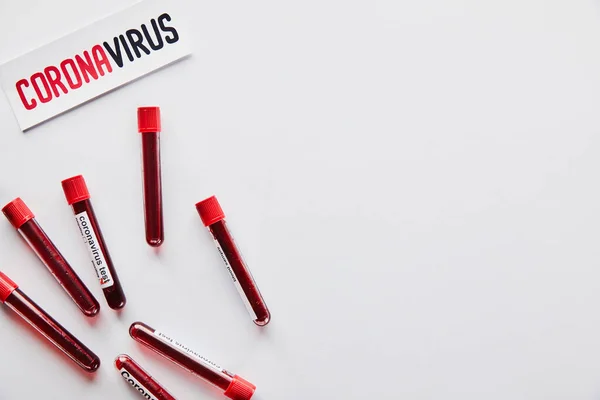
{"x":91,"y":65}
{"x":137,"y":386}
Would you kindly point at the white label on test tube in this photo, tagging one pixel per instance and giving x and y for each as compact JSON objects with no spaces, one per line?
{"x":205,"y":361}
{"x":96,"y":255}
{"x":136,"y":385}
{"x":236,"y":282}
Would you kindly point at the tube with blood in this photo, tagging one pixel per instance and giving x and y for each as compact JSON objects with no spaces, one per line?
{"x":34,"y":315}
{"x":234,"y":386}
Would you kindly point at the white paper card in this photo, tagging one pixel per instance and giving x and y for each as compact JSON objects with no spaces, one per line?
{"x":94,"y":60}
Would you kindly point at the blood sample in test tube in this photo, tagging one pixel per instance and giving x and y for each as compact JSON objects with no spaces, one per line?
{"x":19,"y":302}
{"x":149,"y":128}
{"x":78,"y":197}
{"x":234,"y":387}
{"x":213,"y":218}
{"x":140,"y":380}
{"x":21,"y":217}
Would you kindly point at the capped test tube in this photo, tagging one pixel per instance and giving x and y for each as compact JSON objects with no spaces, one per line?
{"x":213,"y":218}
{"x":78,"y":197}
{"x":21,"y":217}
{"x":235,"y":387}
{"x":34,"y":315}
{"x":140,"y":380}
{"x":149,"y":127}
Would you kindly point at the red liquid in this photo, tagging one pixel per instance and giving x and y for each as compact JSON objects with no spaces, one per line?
{"x":152,"y":188}
{"x":115,"y":297}
{"x":222,"y":235}
{"x":145,"y":335}
{"x":52,"y":330}
{"x":130,"y":369}
{"x":234,"y":386}
{"x":59,"y":267}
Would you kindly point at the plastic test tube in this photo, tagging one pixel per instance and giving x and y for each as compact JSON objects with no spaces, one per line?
{"x":21,"y":217}
{"x":235,"y":387}
{"x":149,"y":127}
{"x":214,"y":219}
{"x":78,"y":197}
{"x":13,"y":297}
{"x":141,"y":381}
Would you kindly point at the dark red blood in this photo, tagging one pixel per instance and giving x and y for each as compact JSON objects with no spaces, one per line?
{"x":59,"y":267}
{"x":152,"y":188}
{"x":145,"y":335}
{"x":222,"y":235}
{"x":115,"y":297}
{"x":52,"y":330}
{"x":124,"y":362}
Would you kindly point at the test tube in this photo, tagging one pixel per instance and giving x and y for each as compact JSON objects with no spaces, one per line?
{"x":21,"y":217}
{"x":140,"y":380}
{"x":214,"y":219}
{"x":19,"y":302}
{"x":149,"y":127}
{"x":78,"y":197}
{"x":235,"y":387}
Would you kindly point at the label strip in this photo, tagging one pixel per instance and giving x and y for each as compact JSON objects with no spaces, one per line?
{"x":96,"y":255}
{"x":235,"y":280}
{"x":203,"y":360}
{"x":136,"y":384}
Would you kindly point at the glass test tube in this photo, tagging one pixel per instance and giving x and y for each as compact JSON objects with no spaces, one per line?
{"x":78,"y":197}
{"x":21,"y":217}
{"x":235,"y":387}
{"x":140,"y":380}
{"x":13,"y":297}
{"x":149,"y":127}
{"x":214,"y":219}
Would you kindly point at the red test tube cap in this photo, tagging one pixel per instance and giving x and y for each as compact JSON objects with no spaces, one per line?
{"x":210,"y":211}
{"x":7,"y":286}
{"x":148,"y":119}
{"x":17,"y":212}
{"x":240,"y":389}
{"x":75,"y":189}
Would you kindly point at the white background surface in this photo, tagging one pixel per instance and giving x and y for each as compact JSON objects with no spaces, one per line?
{"x":414,"y":185}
